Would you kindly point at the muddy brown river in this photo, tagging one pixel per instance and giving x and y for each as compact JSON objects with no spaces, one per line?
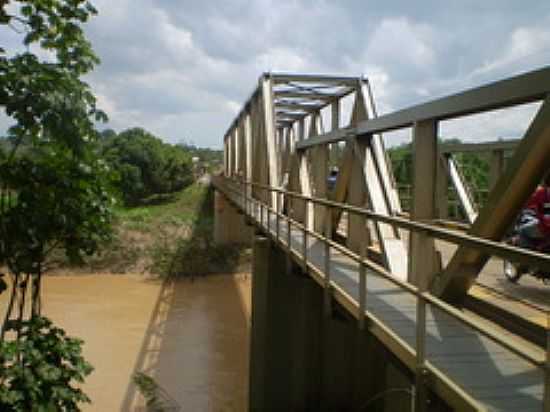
{"x":192,"y":337}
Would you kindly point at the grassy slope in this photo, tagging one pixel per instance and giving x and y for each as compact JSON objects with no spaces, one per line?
{"x":172,"y":237}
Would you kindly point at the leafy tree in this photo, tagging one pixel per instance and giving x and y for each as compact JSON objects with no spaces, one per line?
{"x":45,"y":355}
{"x":53,"y":194}
{"x":474,"y":167}
{"x":211,"y":159}
{"x":146,"y":165}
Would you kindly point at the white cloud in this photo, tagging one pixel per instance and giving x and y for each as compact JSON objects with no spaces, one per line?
{"x":523,"y":44}
{"x":398,"y":41}
{"x":183,"y":69}
{"x":508,"y":123}
{"x":280,"y":59}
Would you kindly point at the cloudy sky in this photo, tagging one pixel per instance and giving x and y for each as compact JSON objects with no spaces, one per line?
{"x":182,"y":69}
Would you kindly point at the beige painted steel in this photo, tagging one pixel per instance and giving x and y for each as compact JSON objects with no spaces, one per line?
{"x":305,"y":189}
{"x":358,"y":236}
{"x":464,"y":195}
{"x":340,"y":191}
{"x":423,"y":265}
{"x":269,"y":130}
{"x":381,"y":158}
{"x":393,"y":338}
{"x":268,"y":166}
{"x":377,"y":187}
{"x":442,"y":188}
{"x":526,"y":169}
{"x":392,"y":247}
{"x":319,"y":157}
{"x":525,"y":88}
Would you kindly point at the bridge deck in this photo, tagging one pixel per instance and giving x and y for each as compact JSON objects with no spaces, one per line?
{"x":491,"y":374}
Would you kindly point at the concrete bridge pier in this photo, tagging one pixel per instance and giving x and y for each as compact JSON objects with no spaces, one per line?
{"x":302,"y":359}
{"x":285,"y":348}
{"x":229,"y":224}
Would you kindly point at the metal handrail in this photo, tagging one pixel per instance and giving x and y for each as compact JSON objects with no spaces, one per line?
{"x":379,"y":270}
{"x":490,"y":247}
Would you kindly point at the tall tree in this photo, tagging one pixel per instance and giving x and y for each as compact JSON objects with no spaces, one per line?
{"x":53,"y":195}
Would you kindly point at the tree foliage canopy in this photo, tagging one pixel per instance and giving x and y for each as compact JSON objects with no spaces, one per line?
{"x":53,"y":192}
{"x":474,"y":166}
{"x":145,"y":164}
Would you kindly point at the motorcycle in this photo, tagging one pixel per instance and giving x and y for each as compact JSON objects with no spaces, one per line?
{"x":514,"y":271}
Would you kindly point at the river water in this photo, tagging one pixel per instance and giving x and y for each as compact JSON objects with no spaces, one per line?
{"x":192,"y":337}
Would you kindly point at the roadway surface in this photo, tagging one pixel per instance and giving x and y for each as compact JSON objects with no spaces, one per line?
{"x":529,"y":298}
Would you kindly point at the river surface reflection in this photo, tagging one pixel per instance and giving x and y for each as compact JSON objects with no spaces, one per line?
{"x":192,"y":337}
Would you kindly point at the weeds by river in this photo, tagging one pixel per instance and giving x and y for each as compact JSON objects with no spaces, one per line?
{"x":169,"y":236}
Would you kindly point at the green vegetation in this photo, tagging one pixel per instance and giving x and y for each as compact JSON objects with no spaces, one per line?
{"x":43,"y":366}
{"x":156,"y":399}
{"x":195,"y":254}
{"x":50,"y":163}
{"x":145,"y":165}
{"x":57,"y":181}
{"x":173,"y":238}
{"x":474,"y":167}
{"x":211,"y":160}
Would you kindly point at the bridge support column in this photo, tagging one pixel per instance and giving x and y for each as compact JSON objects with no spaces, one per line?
{"x":302,"y":359}
{"x":285,"y":349}
{"x":229,"y":225}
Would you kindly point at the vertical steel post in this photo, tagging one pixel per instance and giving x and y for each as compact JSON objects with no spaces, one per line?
{"x":268,"y":207}
{"x":261,"y":212}
{"x":277,"y":214}
{"x":288,"y":226}
{"x":304,"y":235}
{"x":328,"y":234}
{"x":421,"y":390}
{"x":244,"y":195}
{"x":362,"y":281}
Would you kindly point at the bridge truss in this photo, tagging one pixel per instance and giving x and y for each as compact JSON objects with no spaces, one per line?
{"x":280,"y":139}
{"x":278,"y":154}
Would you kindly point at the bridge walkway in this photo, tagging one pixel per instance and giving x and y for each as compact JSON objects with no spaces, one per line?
{"x":460,"y":357}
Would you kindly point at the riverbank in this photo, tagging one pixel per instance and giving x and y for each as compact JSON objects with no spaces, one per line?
{"x":170,"y":236}
{"x":145,"y":304}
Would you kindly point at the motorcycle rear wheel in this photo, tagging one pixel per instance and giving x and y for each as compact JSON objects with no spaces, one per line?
{"x":512,"y":271}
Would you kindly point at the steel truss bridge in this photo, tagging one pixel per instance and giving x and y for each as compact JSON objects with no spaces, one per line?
{"x":386,"y":270}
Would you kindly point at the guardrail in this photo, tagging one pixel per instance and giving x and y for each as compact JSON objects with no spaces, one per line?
{"x":254,"y":207}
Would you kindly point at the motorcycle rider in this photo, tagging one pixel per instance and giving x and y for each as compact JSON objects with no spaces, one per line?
{"x":534,"y":224}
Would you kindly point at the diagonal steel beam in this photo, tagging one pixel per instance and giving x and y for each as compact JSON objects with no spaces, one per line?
{"x":463,"y":192}
{"x":530,"y":162}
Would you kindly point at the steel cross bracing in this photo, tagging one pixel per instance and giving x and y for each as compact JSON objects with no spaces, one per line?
{"x":267,"y":145}
{"x":280,"y":141}
{"x":287,"y":109}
